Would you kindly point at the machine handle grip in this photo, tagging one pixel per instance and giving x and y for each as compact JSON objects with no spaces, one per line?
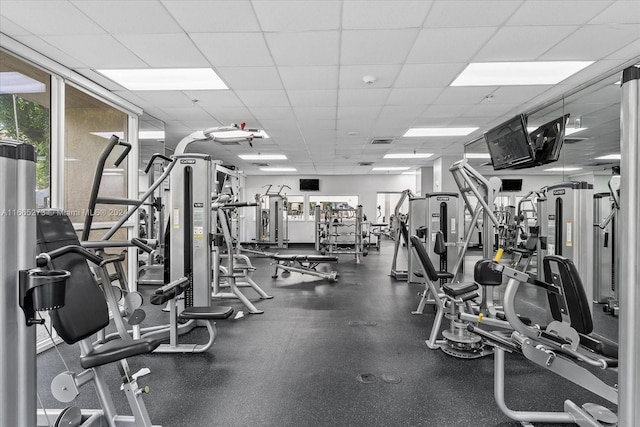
{"x":125,"y":153}
{"x":43,"y":259}
{"x":153,"y":159}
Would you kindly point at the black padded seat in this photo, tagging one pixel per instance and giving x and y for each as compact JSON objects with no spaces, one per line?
{"x":117,"y":350}
{"x":321,"y":258}
{"x":483,"y":275}
{"x":206,"y":313}
{"x":456,"y":289}
{"x":285,"y":257}
{"x":424,"y":259}
{"x":444,"y":275}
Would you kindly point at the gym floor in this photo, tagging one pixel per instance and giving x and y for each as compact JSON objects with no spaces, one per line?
{"x":298,"y":363}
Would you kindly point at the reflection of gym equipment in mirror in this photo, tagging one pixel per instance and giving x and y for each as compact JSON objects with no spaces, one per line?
{"x":400,"y":233}
{"x":341,"y":230}
{"x":272,"y":219}
{"x":606,"y":238}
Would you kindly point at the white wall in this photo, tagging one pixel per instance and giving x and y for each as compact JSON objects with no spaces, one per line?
{"x":365,"y":187}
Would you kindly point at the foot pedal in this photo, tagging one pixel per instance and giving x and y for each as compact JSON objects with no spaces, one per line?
{"x":136,"y":317}
{"x":600,"y":413}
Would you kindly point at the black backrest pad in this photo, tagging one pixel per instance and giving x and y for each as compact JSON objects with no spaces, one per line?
{"x":439,"y":247}
{"x":424,"y":258}
{"x":483,"y":274}
{"x":85,"y":311}
{"x":562,"y":271}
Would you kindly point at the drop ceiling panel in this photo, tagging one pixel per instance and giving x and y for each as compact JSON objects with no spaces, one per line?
{"x":564,"y":12}
{"x":524,"y":43}
{"x":130,"y":17}
{"x":312,"y":77}
{"x":250,"y":78}
{"x":200,"y":16}
{"x":464,"y":95}
{"x":44,"y":17}
{"x":39,"y":45}
{"x":351,"y":75}
{"x":362,"y":97}
{"x":492,"y":109}
{"x":228,"y":115}
{"x":214,"y":98}
{"x":428,"y":75}
{"x":358,"y":113}
{"x":593,"y":42}
{"x":316,"y":112}
{"x":359,"y":15}
{"x":264,"y":98}
{"x":471,"y":13}
{"x":165,"y":98}
{"x":517,"y":94}
{"x":154,"y":48}
{"x":311,"y":124}
{"x":201,"y":124}
{"x":308,"y":48}
{"x":188,"y":113}
{"x":313,"y":98}
{"x":97,"y":50}
{"x":414,"y":96}
{"x":442,"y":45}
{"x":11,"y":29}
{"x":445,"y":111}
{"x":376,"y":47}
{"x":233,"y":49}
{"x":283,"y":113}
{"x":620,"y":12}
{"x":298,"y":16}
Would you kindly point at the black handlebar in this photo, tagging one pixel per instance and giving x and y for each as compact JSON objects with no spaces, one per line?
{"x":125,"y":153}
{"x":43,"y":259}
{"x":153,"y":159}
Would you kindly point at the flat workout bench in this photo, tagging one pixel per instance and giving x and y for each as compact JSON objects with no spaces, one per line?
{"x":304,"y":264}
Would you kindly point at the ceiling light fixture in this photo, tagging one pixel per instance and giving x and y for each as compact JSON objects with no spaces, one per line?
{"x":563,"y":169}
{"x":262,"y":156}
{"x":518,"y":73}
{"x":391,"y":168}
{"x":166,"y":79}
{"x":477,"y":156}
{"x":278,"y":169}
{"x":418,"y":132}
{"x":15,"y":82}
{"x":408,"y":156}
{"x":610,"y":157}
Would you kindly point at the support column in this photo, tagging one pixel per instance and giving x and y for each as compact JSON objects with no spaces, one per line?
{"x":443,"y":181}
{"x":426,"y":180}
{"x":629,"y":335}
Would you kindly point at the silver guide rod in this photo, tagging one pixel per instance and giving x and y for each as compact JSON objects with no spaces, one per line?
{"x":629,"y":334}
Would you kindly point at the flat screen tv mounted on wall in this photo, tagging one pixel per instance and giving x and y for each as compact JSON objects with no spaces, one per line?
{"x":509,"y":144}
{"x":309,"y":185}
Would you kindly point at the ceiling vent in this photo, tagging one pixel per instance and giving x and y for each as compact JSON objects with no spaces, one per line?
{"x":223,"y":142}
{"x":365,"y":163}
{"x":381,"y":141}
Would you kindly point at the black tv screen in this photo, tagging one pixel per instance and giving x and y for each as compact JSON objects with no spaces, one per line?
{"x":511,"y":185}
{"x":547,"y":141}
{"x":309,"y":185}
{"x":509,"y":144}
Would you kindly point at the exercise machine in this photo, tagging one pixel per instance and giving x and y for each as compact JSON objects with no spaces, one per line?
{"x":272,"y":219}
{"x":400,"y":234}
{"x":342,"y":231}
{"x":304,"y":264}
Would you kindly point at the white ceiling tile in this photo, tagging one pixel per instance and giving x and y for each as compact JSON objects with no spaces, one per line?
{"x":403,"y":113}
{"x":46,"y":49}
{"x":629,"y":51}
{"x":522,"y":43}
{"x":214,"y":98}
{"x":97,"y":51}
{"x":98,"y":78}
{"x":263,"y":98}
{"x":556,"y":12}
{"x":464,"y":95}
{"x":309,"y":48}
{"x":376,"y":47}
{"x":493,"y":109}
{"x":593,"y":42}
{"x":442,"y":45}
{"x":311,"y":124}
{"x":315,"y":77}
{"x":317,"y":112}
{"x":517,"y":94}
{"x":197,"y":16}
{"x":358,"y":113}
{"x":228,"y":115}
{"x":154,"y":50}
{"x":49,"y":17}
{"x":130,"y":17}
{"x":298,"y":16}
{"x":351,"y":75}
{"x":446,"y":111}
{"x":620,"y":12}
{"x":284,"y":126}
{"x":428,"y":75}
{"x":359,"y":15}
{"x":413,"y":96}
{"x":471,"y":13}
{"x":11,"y":29}
{"x":187,"y":113}
{"x":163,"y":98}
{"x":362,"y":97}
{"x":283,"y":113}
{"x":313,"y":98}
{"x":233,"y":49}
{"x":250,"y":78}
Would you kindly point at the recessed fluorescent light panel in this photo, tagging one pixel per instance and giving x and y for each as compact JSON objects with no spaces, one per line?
{"x":278,"y":169}
{"x":410,"y":173}
{"x":391,"y":168}
{"x":477,"y":156}
{"x":15,"y":82}
{"x":166,"y":79}
{"x":408,"y":156}
{"x":417,"y":132}
{"x":561,"y":169}
{"x":518,"y":73}
{"x":571,"y":131}
{"x":262,"y":156}
{"x":609,"y":157}
{"x":151,"y":134}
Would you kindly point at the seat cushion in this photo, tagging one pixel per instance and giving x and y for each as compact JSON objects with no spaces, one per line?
{"x":457,"y":289}
{"x":117,"y":350}
{"x":285,"y":257}
{"x":321,"y":258}
{"x":206,"y":313}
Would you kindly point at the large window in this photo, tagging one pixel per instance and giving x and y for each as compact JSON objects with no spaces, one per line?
{"x":89,"y":123}
{"x":25,"y":110}
{"x":333,"y":202}
{"x":295,"y":207}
